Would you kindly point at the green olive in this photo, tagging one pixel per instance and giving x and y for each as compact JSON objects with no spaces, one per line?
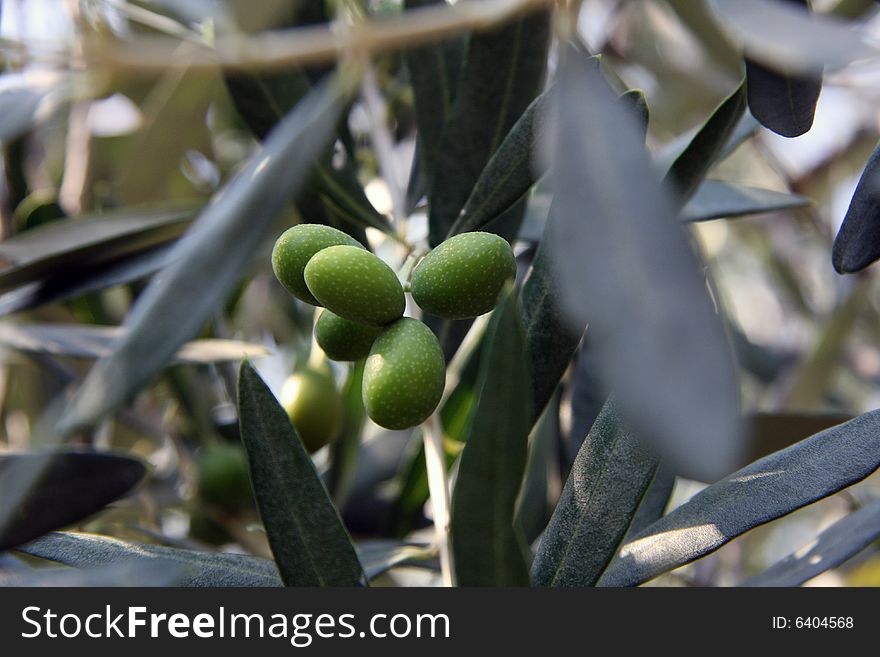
{"x":314,"y":406}
{"x":295,"y":248}
{"x":356,"y":285}
{"x":223,"y":476}
{"x":463,"y":276}
{"x":404,"y":375}
{"x":342,"y":339}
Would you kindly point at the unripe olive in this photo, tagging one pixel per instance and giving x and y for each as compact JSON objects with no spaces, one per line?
{"x":342,"y":339}
{"x":295,"y":248}
{"x":356,"y":285}
{"x":223,"y":476}
{"x":314,"y":406}
{"x":404,"y":375}
{"x":463,"y":276}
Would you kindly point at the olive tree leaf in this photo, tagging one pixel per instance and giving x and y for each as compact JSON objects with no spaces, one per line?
{"x":622,"y":262}
{"x":433,"y":73}
{"x":40,"y":492}
{"x":689,"y":168}
{"x":306,"y":534}
{"x":55,"y":248}
{"x":502,"y":73}
{"x":763,"y":491}
{"x":715,"y":199}
{"x":344,"y":450}
{"x":380,"y":556}
{"x":198,"y":568}
{"x":129,"y":573}
{"x":488,"y":547}
{"x":782,"y":35}
{"x":785,"y":104}
{"x":841,"y":541}
{"x":88,"y":341}
{"x":608,"y":481}
{"x":857,"y":244}
{"x":210,"y":259}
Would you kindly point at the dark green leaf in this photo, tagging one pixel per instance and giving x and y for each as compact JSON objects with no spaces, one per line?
{"x":533,"y":512}
{"x":307,"y":537}
{"x":763,"y":491}
{"x":199,"y":568}
{"x":88,"y":341}
{"x":715,"y":199}
{"x":782,"y":103}
{"x":842,"y":540}
{"x":689,"y":168}
{"x":344,"y":451}
{"x":622,"y":262}
{"x":653,"y":503}
{"x":44,"y":491}
{"x":52,"y":248}
{"x":502,"y":74}
{"x":210,"y":259}
{"x":857,"y":244}
{"x":130,"y":573}
{"x":607,"y":483}
{"x":489,"y":550}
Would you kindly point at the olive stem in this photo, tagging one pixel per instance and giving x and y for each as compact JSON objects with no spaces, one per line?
{"x":438,"y":486}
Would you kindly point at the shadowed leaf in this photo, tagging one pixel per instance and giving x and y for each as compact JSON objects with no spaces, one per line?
{"x":842,"y":540}
{"x":489,"y":549}
{"x":199,"y":568}
{"x":857,"y":244}
{"x":715,"y":199}
{"x":607,"y":483}
{"x":308,"y":540}
{"x":40,"y":492}
{"x":129,"y":573}
{"x":630,"y":271}
{"x":763,"y":491}
{"x":210,"y":259}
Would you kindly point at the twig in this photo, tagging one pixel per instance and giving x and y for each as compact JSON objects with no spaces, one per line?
{"x":438,"y":486}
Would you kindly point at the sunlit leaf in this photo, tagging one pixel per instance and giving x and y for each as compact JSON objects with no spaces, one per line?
{"x":622,"y":262}
{"x":489,"y":549}
{"x":307,"y":537}
{"x":40,"y":492}
{"x":715,"y":199}
{"x":210,"y":259}
{"x":763,"y":491}
{"x":841,"y":541}
{"x":199,"y":568}
{"x":608,"y":481}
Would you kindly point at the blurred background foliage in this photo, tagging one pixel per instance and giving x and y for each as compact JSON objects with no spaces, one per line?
{"x":112,"y":140}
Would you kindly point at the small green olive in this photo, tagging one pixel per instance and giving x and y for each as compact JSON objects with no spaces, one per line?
{"x":342,"y":339}
{"x":295,"y":247}
{"x":223,"y":476}
{"x":314,"y":406}
{"x":404,"y":375}
{"x":356,"y":285}
{"x":463,"y":276}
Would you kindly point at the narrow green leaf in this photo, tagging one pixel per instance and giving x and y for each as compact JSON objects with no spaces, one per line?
{"x":533,"y":506}
{"x":503,"y":72}
{"x":380,"y":556}
{"x":88,"y":341}
{"x":40,"y":492}
{"x":210,"y":259}
{"x":489,"y":550}
{"x":841,"y":541}
{"x":622,"y":262}
{"x":307,"y":537}
{"x":131,"y":573}
{"x":785,"y":104}
{"x":763,"y":491}
{"x":715,"y":199}
{"x":607,"y":483}
{"x":60,"y":245}
{"x":199,"y":568}
{"x":689,"y":169}
{"x":344,"y":451}
{"x":857,"y":244}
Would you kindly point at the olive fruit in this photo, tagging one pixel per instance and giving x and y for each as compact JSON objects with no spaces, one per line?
{"x":223,"y":476}
{"x":463,"y":276}
{"x":342,"y":339}
{"x":356,"y":285}
{"x":295,"y":247}
{"x":314,"y":406}
{"x":404,"y":375}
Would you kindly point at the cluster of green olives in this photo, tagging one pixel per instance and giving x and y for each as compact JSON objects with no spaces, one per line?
{"x":364,"y":303}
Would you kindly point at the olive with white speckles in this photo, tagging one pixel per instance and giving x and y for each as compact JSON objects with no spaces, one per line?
{"x":463,"y":276}
{"x":404,"y":375}
{"x":356,"y":285}
{"x":342,"y":339}
{"x":295,"y":248}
